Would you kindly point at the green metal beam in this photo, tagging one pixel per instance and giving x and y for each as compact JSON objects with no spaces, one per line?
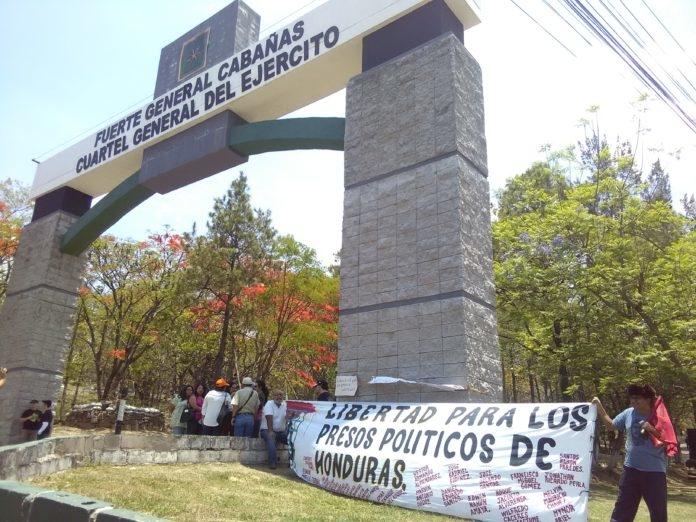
{"x":290,"y":134}
{"x":116,"y":204}
{"x":249,"y":139}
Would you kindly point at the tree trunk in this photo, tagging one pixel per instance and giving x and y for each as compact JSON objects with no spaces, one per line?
{"x":563,"y":377}
{"x":220,"y":356}
{"x":505,"y":390}
{"x":67,"y":363}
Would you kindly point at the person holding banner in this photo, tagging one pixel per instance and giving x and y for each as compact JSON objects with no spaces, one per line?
{"x":273,"y":426}
{"x":645,"y":467}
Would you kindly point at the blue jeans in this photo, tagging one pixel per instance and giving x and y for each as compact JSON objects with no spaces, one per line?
{"x":244,"y":425}
{"x":272,"y":439}
{"x":178,"y":430}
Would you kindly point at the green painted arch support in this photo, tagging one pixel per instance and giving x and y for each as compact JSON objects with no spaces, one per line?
{"x":248,"y":139}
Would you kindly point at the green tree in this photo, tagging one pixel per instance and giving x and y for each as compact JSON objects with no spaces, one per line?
{"x":131,"y":295}
{"x":592,"y":289}
{"x":657,"y":187}
{"x":234,"y":252}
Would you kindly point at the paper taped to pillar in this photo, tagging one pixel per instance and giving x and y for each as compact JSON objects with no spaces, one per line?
{"x":501,"y":462}
{"x":346,"y":385}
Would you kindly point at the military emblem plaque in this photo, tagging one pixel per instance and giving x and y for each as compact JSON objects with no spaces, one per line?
{"x":193,"y":54}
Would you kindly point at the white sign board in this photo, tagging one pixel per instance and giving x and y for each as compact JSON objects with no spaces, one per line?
{"x":497,"y":462}
{"x":303,"y":62}
{"x":346,"y":385}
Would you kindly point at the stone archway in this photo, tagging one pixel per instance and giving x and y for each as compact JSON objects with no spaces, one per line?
{"x":417,"y":295}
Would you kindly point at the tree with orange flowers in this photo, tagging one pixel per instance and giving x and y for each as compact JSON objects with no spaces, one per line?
{"x":290,"y":326}
{"x":15,"y":211}
{"x":130,"y":296}
{"x":230,"y":257}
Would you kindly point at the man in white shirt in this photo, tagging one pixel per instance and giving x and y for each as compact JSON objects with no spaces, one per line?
{"x":273,"y":426}
{"x":213,"y":403}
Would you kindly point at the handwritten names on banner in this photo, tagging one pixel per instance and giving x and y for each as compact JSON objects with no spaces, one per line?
{"x":499,"y":462}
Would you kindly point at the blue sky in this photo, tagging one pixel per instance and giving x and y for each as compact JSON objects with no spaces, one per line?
{"x":72,"y":65}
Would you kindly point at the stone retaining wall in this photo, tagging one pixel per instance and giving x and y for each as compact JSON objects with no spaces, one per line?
{"x":31,"y":459}
{"x":26,"y":503}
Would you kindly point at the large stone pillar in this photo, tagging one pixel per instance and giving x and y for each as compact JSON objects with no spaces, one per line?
{"x":37,"y":317}
{"x":417,"y":293}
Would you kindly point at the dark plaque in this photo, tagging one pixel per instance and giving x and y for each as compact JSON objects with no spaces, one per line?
{"x":193,"y":54}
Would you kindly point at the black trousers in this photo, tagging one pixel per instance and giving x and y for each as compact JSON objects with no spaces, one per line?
{"x":192,"y":427}
{"x":634,"y":485}
{"x":211,"y":430}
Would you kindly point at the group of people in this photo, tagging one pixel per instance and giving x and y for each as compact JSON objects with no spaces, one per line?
{"x":37,"y":420}
{"x":251,"y":411}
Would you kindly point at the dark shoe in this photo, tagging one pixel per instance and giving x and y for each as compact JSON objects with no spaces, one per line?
{"x":272,"y":466}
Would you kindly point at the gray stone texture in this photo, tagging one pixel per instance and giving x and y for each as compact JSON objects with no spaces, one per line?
{"x":232,"y":29}
{"x":44,"y":457}
{"x":202,"y":150}
{"x":417,"y":293}
{"x":191,"y":155}
{"x":36,"y":319}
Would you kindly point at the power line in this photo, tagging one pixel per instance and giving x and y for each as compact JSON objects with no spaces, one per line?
{"x":668,"y":31}
{"x":614,"y":42}
{"x":543,"y":28}
{"x":683,"y":75}
{"x":568,"y":23}
{"x":652,"y":76}
{"x":630,"y":31}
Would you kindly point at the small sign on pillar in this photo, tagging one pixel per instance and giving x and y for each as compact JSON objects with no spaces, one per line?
{"x":346,"y":385}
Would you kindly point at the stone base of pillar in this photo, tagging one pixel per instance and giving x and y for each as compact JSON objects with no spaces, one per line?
{"x":36,"y":319}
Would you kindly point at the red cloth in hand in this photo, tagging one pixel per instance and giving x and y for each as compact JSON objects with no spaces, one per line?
{"x":660,"y":420}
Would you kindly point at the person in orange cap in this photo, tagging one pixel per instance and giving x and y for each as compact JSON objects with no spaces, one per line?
{"x":216,"y":405}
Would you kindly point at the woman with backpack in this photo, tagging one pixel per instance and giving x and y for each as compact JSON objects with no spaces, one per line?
{"x":179,"y":420}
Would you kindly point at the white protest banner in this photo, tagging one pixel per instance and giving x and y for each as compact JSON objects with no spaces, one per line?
{"x":501,"y":462}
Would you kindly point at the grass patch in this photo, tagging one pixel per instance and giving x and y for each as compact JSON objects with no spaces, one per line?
{"x":229,"y":492}
{"x":220,"y":492}
{"x":681,"y":499}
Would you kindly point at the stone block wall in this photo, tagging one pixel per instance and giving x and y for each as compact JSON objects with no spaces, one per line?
{"x":36,"y":319}
{"x":417,"y":293}
{"x":31,"y":459}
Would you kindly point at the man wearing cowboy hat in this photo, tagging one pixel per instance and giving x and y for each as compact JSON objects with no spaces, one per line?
{"x":245,"y":404}
{"x":213,"y":403}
